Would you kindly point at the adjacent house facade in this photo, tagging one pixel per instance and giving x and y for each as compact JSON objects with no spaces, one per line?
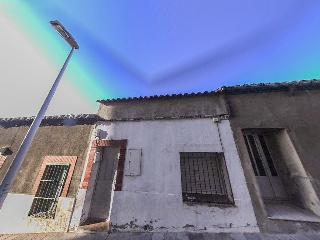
{"x":276,"y":130}
{"x":42,"y":196}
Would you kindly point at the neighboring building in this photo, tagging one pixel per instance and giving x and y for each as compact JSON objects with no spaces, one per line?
{"x":276,"y":130}
{"x":165,"y":163}
{"x":42,"y":196}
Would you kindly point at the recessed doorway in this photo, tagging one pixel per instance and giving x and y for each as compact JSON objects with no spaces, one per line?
{"x":265,"y":170}
{"x":104,"y":184}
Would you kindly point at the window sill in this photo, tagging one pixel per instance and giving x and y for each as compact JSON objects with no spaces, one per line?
{"x":219,"y":205}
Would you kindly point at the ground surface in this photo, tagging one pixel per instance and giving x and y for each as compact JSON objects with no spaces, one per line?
{"x":162,"y":236}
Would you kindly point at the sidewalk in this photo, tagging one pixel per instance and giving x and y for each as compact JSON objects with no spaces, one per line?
{"x":161,"y":236}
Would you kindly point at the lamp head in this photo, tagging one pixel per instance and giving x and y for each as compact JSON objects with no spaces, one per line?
{"x":64,"y":33}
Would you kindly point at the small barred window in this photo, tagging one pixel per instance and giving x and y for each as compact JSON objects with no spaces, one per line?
{"x":204,"y":178}
{"x":49,"y":190}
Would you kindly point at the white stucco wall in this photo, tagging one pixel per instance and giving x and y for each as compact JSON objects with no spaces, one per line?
{"x":14,"y":216}
{"x":153,"y":200}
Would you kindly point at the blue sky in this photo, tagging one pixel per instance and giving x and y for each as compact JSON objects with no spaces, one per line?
{"x":145,"y":48}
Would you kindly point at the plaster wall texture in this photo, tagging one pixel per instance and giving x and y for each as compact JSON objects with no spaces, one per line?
{"x":295,"y":111}
{"x":49,"y":140}
{"x":101,"y":199}
{"x":302,"y":191}
{"x":14,"y":216}
{"x":85,"y":203}
{"x":79,"y":212}
{"x":86,"y":195}
{"x":153,"y":200}
{"x":212,"y":105}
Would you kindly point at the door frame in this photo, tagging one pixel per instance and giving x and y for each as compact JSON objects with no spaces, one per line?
{"x":265,"y":167}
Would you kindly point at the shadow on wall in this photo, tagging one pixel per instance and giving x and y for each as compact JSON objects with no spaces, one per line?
{"x":100,"y":134}
{"x":279,"y":171}
{"x":100,"y":177}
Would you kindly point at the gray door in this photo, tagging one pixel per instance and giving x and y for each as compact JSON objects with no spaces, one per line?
{"x":270,"y":184}
{"x":101,"y":200}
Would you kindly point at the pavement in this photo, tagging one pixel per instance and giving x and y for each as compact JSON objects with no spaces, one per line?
{"x":161,"y":236}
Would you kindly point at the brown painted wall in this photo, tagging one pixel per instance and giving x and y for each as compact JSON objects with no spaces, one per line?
{"x":49,"y":140}
{"x":299,"y":113}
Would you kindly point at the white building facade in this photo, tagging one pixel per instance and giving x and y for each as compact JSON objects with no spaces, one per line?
{"x":156,"y":168}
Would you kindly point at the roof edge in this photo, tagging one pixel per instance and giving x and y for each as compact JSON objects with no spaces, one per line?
{"x":59,"y":120}
{"x":291,"y":86}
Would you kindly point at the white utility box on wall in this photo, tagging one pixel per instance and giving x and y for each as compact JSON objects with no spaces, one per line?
{"x":133,"y":162}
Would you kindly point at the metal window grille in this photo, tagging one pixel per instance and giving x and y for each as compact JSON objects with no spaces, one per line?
{"x":51,"y":184}
{"x":203,"y":178}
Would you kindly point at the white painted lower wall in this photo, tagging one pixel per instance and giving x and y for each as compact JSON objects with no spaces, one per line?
{"x":153,"y":200}
{"x":14,"y":216}
{"x":167,"y":212}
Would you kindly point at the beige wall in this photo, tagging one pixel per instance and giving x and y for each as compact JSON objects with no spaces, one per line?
{"x":298,"y":113}
{"x":49,"y":140}
{"x":192,"y":106}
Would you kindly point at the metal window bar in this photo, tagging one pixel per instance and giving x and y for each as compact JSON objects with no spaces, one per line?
{"x":267,"y":155}
{"x":202,"y":177}
{"x":256,"y":156}
{"x":50,"y":187}
{"x":251,"y":156}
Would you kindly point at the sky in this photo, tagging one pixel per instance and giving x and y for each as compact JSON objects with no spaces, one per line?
{"x":144,"y":48}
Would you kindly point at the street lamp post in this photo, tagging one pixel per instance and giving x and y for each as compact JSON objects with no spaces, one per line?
{"x":21,"y":153}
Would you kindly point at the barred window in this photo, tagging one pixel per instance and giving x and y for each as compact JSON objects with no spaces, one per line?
{"x":49,"y":190}
{"x":204,"y":178}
